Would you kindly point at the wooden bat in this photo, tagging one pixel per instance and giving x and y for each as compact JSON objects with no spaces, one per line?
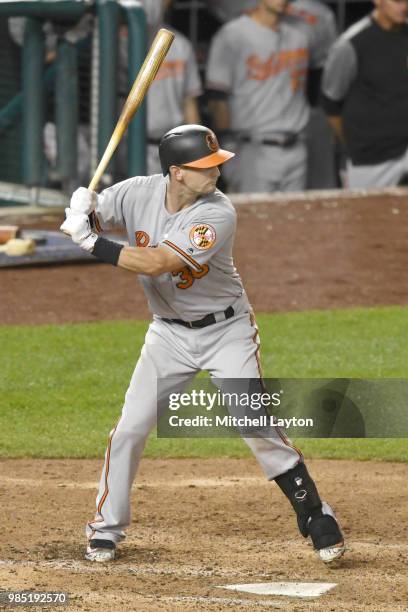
{"x":144,"y":79}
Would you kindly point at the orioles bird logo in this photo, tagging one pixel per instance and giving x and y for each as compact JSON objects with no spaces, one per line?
{"x":202,"y":236}
{"x":142,"y":239}
{"x":212,"y":142}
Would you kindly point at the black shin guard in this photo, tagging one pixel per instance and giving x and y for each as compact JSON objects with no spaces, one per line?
{"x":301,"y":491}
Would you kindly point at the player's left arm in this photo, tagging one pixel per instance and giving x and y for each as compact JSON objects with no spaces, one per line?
{"x":150,"y":261}
{"x":340,"y":70}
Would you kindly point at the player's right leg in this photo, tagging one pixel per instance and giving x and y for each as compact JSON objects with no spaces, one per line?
{"x":162,"y":358}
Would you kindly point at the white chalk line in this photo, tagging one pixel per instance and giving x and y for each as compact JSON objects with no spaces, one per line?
{"x":162,"y":484}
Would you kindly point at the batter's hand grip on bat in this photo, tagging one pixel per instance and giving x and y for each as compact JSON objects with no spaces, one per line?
{"x":144,"y":79}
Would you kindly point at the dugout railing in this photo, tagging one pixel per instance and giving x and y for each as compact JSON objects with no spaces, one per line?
{"x":77,"y":91}
{"x":77,"y":88}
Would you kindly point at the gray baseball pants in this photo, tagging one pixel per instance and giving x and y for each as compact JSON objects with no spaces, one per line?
{"x":228,"y":349}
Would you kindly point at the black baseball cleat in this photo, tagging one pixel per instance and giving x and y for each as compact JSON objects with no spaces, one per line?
{"x":100,"y":551}
{"x":326,"y":535}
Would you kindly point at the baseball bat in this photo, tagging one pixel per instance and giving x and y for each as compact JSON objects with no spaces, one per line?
{"x":144,"y":79}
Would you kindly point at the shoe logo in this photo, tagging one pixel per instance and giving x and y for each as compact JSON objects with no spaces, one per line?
{"x":301,"y":495}
{"x":298,"y":481}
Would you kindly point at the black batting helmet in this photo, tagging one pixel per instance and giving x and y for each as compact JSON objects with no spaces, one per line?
{"x":194,"y":146}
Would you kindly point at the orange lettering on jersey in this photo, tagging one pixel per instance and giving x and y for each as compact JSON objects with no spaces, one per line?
{"x":291,"y":60}
{"x":171,"y":69}
{"x":142,"y":239}
{"x":188,"y":276}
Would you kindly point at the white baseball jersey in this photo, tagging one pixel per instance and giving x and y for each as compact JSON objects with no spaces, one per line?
{"x":177,"y":79}
{"x":201,"y":234}
{"x":264,"y":71}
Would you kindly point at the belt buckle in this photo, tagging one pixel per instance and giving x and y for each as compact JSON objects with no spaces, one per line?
{"x":190,"y":324}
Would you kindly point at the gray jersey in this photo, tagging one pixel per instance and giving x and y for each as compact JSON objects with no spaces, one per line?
{"x":342,"y":64}
{"x":264,"y":71}
{"x":177,"y":79}
{"x":202,"y":235}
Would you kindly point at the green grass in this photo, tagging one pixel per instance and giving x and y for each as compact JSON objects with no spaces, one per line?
{"x":61,"y":387}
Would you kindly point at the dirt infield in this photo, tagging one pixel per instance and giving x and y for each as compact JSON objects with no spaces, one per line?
{"x":202,"y":524}
{"x":199,"y":525}
{"x":326,"y":253}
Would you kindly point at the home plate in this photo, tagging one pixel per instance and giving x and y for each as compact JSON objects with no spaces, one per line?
{"x":288,"y":589}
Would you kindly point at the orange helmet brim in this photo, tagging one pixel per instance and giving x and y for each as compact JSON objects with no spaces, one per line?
{"x":210,"y":161}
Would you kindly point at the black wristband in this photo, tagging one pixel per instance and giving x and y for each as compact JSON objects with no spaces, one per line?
{"x":107,"y":251}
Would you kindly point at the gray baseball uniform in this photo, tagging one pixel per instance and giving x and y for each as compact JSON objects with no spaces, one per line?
{"x":177,"y":79}
{"x":264,"y":72}
{"x":202,"y":235}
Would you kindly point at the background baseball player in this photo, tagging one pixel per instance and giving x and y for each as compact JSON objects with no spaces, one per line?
{"x":256,"y":76}
{"x":172,"y":97}
{"x":365,"y":93}
{"x":201,"y":321}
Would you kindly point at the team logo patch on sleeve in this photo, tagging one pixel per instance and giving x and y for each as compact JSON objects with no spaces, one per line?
{"x":202,"y":236}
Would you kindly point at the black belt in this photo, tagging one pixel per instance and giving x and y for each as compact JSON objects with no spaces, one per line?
{"x":284,"y":140}
{"x":207,"y":320}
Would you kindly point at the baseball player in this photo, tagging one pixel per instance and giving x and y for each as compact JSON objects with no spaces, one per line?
{"x":181,"y":233}
{"x":172,"y":97}
{"x":365,"y":93}
{"x":256,"y":77}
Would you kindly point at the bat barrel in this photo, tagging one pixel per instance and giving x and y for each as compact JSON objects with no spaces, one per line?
{"x":144,"y":79}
